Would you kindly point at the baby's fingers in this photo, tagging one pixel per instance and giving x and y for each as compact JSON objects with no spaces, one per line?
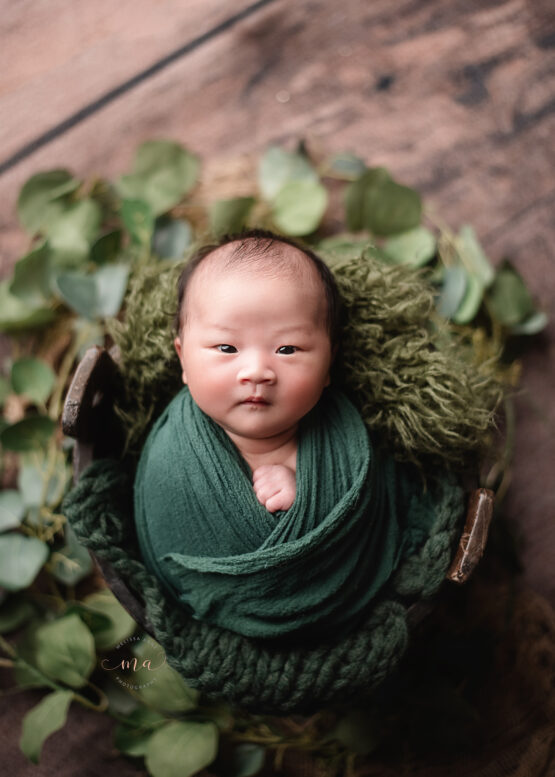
{"x":265,"y":490}
{"x":263,"y":471}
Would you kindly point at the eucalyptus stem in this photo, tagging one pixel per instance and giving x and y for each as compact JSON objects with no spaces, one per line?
{"x":7,"y":647}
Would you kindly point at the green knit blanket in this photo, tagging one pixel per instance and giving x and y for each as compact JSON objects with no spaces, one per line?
{"x":262,"y":675}
{"x":312,"y":569}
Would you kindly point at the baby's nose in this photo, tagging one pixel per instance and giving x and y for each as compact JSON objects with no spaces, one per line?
{"x":256,"y":369}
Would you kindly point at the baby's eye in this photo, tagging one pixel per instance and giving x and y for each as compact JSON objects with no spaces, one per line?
{"x":287,"y":349}
{"x":224,"y":348}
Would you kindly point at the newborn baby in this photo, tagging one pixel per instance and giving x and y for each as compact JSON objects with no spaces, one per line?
{"x":256,"y":324}
{"x":260,"y":503}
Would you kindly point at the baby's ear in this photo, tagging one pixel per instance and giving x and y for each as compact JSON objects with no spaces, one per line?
{"x":177,"y":346}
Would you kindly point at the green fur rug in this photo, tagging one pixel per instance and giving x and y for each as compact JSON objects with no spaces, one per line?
{"x":419,"y":388}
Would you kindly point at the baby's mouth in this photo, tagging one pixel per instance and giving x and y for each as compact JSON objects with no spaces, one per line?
{"x":255,"y":401}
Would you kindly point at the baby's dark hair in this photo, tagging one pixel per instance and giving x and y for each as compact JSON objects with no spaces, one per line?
{"x":252,"y":244}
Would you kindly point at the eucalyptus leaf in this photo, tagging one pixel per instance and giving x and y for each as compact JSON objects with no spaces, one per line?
{"x":28,"y":434}
{"x":107,"y":247}
{"x":16,"y":315}
{"x":455,"y":283}
{"x":15,"y":612}
{"x":12,"y":509}
{"x":162,"y":688}
{"x":138,"y":218}
{"x":181,"y":749}
{"x":5,"y":389}
{"x":345,"y":166}
{"x":111,"y":283}
{"x":121,"y":625}
{"x":37,"y":200}
{"x":391,"y":208}
{"x":131,"y":737}
{"x":93,"y":620}
{"x":39,"y":723}
{"x":21,"y":559}
{"x":65,"y":650}
{"x":342,"y":246}
{"x":246,"y":760}
{"x":473,"y":257}
{"x":72,"y":234}
{"x":531,"y":325}
{"x":119,"y":699}
{"x":97,"y":295}
{"x":171,"y":238}
{"x":509,"y":301}
{"x":414,"y":248}
{"x":228,"y":217}
{"x":31,"y":477}
{"x":278,"y":167}
{"x":471,"y":301}
{"x":355,"y":196}
{"x":299,"y":207}
{"x":163,"y":172}
{"x":31,"y":278}
{"x":27,"y":676}
{"x":34,"y":378}
{"x":71,"y":563}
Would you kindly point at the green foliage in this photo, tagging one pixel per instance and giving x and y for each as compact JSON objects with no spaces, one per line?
{"x":169,"y":694}
{"x":98,"y":295}
{"x":32,"y":277}
{"x":510,"y":301}
{"x":70,"y":235}
{"x":172,"y":237}
{"x":12,"y":509}
{"x":72,"y":562}
{"x":64,"y":650}
{"x":138,"y":219}
{"x":377,"y":203}
{"x":132,"y":736}
{"x":120,"y":624}
{"x":47,"y":717}
{"x":181,"y":748}
{"x":278,"y":167}
{"x":34,"y":378}
{"x":15,"y":613}
{"x":299,"y":206}
{"x":414,"y":248}
{"x":42,"y":197}
{"x":290,"y":183}
{"x":246,"y":761}
{"x":163,"y":172}
{"x":17,"y":315}
{"x":228,"y":217}
{"x":21,"y":559}
{"x":28,"y":434}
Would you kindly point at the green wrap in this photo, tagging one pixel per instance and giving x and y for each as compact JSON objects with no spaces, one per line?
{"x":312,"y":569}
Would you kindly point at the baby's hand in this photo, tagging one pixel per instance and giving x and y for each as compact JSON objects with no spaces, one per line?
{"x":275,"y":486}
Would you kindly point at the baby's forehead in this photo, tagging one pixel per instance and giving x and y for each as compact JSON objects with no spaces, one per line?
{"x":275,"y":260}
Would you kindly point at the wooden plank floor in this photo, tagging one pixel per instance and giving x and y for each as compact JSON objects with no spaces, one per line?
{"x":457,"y":99}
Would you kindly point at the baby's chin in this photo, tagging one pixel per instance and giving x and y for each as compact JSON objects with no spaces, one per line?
{"x":260,"y":431}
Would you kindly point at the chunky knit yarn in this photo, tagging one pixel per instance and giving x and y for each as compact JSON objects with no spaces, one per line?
{"x":257,"y":674}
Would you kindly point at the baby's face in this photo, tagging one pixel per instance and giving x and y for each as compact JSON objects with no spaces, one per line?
{"x":254,"y":349}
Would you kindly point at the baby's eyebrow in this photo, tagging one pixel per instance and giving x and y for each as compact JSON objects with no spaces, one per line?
{"x":220,"y":327}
